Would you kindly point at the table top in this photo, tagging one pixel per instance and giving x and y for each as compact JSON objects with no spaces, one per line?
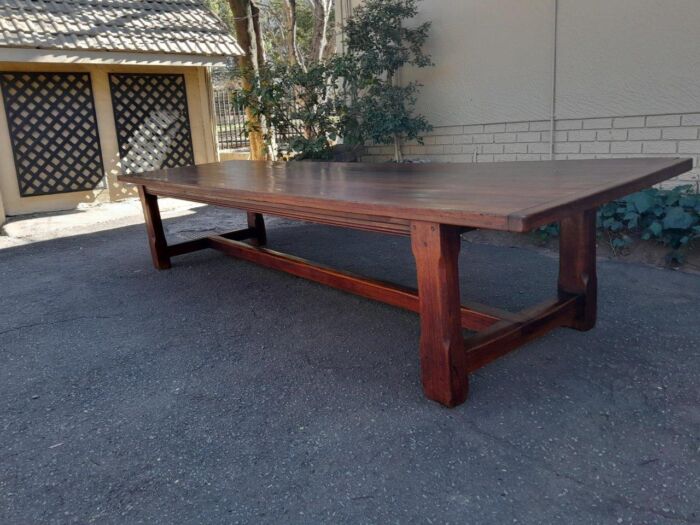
{"x":514,"y":196}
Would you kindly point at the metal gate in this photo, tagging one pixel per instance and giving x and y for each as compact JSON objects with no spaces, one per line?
{"x":230,"y":121}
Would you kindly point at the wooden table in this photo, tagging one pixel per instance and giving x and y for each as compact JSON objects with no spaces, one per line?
{"x":433,"y":204}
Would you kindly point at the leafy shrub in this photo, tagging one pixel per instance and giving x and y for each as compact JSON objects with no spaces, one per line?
{"x":303,"y":110}
{"x":669,"y":217}
{"x":378,"y":44}
{"x":299,"y":105}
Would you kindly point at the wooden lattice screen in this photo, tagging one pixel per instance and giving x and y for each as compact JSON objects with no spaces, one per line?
{"x":152,"y":121}
{"x":53,"y":131}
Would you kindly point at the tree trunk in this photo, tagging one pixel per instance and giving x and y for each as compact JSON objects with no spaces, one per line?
{"x":257,"y":33}
{"x":398,"y":155}
{"x":319,"y":37}
{"x":290,"y":18}
{"x":249,"y":38}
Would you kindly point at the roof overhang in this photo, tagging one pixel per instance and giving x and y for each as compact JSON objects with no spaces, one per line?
{"x":54,"y":56}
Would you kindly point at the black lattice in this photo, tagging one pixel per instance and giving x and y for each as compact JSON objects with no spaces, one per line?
{"x":53,"y":130}
{"x":152,"y":121}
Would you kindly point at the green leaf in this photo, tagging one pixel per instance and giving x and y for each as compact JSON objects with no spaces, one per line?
{"x":689,"y":201}
{"x":677,"y":218}
{"x":655,"y":228}
{"x":632,"y":219}
{"x":642,"y":201}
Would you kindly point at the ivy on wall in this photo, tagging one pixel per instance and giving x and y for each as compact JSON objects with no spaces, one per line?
{"x":670,"y":217}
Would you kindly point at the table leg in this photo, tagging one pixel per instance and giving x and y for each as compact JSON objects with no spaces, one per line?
{"x":442,"y":352}
{"x":256,"y":221}
{"x":577,"y":265}
{"x":154,"y":228}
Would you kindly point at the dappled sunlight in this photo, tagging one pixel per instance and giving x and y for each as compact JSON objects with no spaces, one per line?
{"x":85,"y":219}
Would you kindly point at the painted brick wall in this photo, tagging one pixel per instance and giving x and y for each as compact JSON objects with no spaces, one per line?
{"x":675,"y":135}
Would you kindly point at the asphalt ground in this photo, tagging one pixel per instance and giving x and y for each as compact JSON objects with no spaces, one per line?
{"x":222,"y":392}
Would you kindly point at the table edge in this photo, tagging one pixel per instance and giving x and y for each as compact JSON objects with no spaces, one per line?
{"x":520,"y":221}
{"x":541,"y":214}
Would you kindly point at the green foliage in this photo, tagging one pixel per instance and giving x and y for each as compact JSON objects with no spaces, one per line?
{"x":546,"y":232}
{"x":669,"y":217}
{"x":274,"y":27}
{"x":377,"y":45}
{"x":299,"y":107}
{"x":353,"y":96}
{"x":222,"y":9}
{"x":378,"y":42}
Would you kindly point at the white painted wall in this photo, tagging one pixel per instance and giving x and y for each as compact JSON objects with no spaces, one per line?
{"x":614,"y":58}
{"x":492,"y":61}
{"x":627,"y":81}
{"x":628,"y":57}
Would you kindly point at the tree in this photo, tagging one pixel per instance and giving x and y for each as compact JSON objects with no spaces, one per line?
{"x":355,"y":96}
{"x":378,"y":45}
{"x":294,"y":31}
{"x":322,"y":10}
{"x":300,"y":104}
{"x":246,"y":20}
{"x":290,"y":18}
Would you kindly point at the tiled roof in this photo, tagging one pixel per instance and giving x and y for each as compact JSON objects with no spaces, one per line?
{"x":150,"y":26}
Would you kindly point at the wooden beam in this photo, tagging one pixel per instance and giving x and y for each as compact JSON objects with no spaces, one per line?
{"x":505,"y":336}
{"x":256,"y":222}
{"x":442,"y":359}
{"x":181,"y":248}
{"x":154,"y":229}
{"x":577,"y":265}
{"x":362,"y":222}
{"x":194,"y":245}
{"x":473,"y":316}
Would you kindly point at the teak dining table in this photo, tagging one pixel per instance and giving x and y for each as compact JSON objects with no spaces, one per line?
{"x":433,"y":204}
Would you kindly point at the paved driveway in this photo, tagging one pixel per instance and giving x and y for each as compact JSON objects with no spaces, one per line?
{"x":221,"y":392}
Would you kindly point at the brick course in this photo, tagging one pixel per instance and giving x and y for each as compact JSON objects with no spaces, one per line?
{"x":601,"y":137}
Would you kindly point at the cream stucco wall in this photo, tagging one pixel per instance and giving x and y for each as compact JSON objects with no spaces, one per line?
{"x":518,"y":80}
{"x":203,"y":142}
{"x":628,"y":57}
{"x":494,"y":60}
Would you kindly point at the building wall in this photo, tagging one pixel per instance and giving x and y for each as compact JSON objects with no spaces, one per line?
{"x":2,"y":213}
{"x":626,"y":75}
{"x":203,"y":142}
{"x":619,"y":137}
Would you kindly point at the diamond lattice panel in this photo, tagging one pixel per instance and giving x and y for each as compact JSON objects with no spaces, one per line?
{"x":152,"y":121}
{"x":53,"y":130}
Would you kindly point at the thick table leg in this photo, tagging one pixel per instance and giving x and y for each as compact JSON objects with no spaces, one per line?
{"x":577,"y":266}
{"x":154,"y":228}
{"x":442,"y":352}
{"x":256,"y":221}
